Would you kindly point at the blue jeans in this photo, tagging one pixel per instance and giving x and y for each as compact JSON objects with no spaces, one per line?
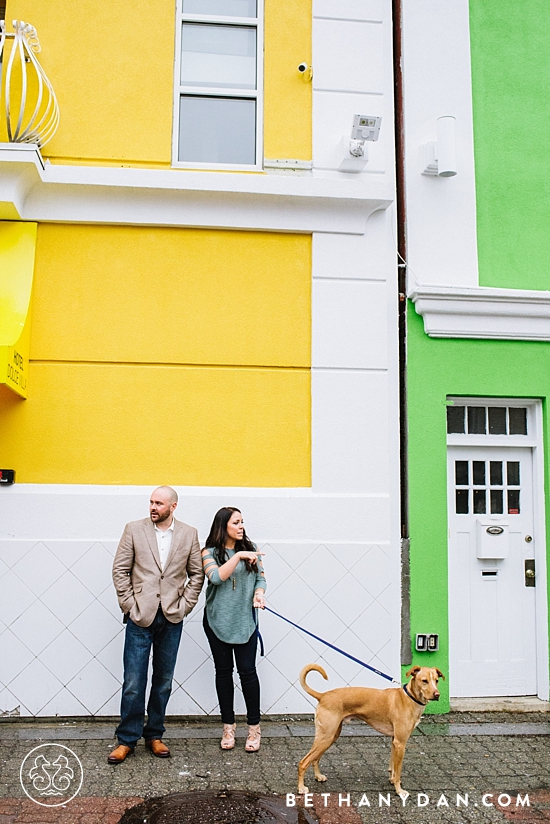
{"x":164,"y":637}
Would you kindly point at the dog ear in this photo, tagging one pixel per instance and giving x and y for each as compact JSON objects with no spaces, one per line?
{"x":439,"y":673}
{"x":413,"y":671}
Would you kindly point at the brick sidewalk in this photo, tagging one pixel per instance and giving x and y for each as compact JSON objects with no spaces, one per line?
{"x":441,"y":760}
{"x":80,"y":811}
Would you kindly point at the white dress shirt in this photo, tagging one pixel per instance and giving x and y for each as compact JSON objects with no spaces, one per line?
{"x":164,"y":542}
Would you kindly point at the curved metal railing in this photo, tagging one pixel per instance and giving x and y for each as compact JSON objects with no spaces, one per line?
{"x":25,"y":124}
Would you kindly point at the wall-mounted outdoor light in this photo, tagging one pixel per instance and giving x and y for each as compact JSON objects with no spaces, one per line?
{"x":440,"y":157}
{"x":365,"y":128}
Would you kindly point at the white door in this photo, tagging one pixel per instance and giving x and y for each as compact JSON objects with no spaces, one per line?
{"x":492,"y":632}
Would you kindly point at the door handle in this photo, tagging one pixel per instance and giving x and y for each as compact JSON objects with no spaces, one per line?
{"x":530,"y":574}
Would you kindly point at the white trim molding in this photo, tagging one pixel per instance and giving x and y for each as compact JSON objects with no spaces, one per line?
{"x":483,"y":312}
{"x":34,"y":191}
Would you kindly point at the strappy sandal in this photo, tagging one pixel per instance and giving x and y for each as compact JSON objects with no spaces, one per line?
{"x":253,"y":740}
{"x":228,"y":737}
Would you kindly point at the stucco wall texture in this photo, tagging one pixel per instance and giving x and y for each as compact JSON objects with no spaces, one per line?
{"x":510,"y":68}
{"x":174,"y":353}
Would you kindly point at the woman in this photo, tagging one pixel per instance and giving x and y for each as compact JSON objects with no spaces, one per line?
{"x":236,"y":586}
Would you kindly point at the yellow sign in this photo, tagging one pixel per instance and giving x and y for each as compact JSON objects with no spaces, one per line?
{"x":17,"y":250}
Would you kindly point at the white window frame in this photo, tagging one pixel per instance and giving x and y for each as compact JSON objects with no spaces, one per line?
{"x":257,"y":94}
{"x":534,"y":423}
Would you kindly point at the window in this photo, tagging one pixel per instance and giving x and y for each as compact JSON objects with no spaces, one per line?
{"x":486,"y":420}
{"x":486,"y":486}
{"x":218,"y":82}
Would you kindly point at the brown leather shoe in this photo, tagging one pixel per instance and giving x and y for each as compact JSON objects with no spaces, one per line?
{"x":119,"y":754}
{"x":158,"y":748}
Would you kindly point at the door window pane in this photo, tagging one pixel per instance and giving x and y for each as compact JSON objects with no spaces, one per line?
{"x":221,"y":56}
{"x":462,"y":501}
{"x":513,"y":473}
{"x":479,"y":473}
{"x":513,"y":501}
{"x":461,"y":473}
{"x":455,"y":419}
{"x":518,"y":420}
{"x":476,"y":420}
{"x":479,"y":502}
{"x":221,"y":8}
{"x":496,"y":502}
{"x":217,"y":130}
{"x":496,"y":473}
{"x":497,"y":420}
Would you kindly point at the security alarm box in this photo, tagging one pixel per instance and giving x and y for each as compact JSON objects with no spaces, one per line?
{"x":491,"y":539}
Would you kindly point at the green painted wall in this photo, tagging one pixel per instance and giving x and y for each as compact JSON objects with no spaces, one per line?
{"x":436,"y":369}
{"x":511,"y":102}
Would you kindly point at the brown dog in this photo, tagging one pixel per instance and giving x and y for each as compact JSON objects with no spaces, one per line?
{"x":394,"y":712}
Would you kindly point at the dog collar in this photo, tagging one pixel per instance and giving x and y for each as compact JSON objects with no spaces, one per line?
{"x":416,"y":701}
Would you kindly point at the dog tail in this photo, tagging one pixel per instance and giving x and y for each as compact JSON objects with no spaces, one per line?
{"x":305,"y":686}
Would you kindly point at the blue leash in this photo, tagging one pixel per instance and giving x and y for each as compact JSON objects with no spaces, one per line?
{"x":258,"y":634}
{"x":341,"y":651}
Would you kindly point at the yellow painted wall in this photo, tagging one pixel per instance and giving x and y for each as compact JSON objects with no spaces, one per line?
{"x":113,"y":74}
{"x":165,"y":353}
{"x":112,"y":70}
{"x":107,"y":424}
{"x":288,"y":98}
{"x":171,"y":295}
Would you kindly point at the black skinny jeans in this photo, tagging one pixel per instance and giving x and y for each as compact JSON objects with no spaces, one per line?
{"x":245,"y":658}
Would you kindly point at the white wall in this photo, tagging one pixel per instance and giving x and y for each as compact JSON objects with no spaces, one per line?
{"x":352,"y":74}
{"x":61,"y":633}
{"x":332,"y":552}
{"x":441,"y":212}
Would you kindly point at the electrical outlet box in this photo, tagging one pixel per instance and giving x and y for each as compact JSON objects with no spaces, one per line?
{"x":427,"y":642}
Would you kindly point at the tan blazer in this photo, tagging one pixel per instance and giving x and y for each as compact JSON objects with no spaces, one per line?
{"x":140,"y":583}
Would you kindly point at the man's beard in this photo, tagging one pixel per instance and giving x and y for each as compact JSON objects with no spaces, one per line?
{"x":160,"y":518}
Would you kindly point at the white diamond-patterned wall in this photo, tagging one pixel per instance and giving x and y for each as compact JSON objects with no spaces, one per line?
{"x":61,"y":634}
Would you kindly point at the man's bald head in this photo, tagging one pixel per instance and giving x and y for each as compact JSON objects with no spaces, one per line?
{"x":167,"y":490}
{"x":163,"y":502}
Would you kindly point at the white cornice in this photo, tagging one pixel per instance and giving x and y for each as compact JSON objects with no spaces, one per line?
{"x":483,"y":312}
{"x":30,"y":190}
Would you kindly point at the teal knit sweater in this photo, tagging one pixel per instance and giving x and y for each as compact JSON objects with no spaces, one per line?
{"x":229,"y":602}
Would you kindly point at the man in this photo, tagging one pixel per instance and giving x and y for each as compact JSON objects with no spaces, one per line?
{"x":154,"y":559}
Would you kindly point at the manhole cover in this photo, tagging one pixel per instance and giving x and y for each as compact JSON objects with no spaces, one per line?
{"x":226,"y":807}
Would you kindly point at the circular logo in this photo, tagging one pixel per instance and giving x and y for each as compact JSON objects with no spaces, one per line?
{"x":51,"y":775}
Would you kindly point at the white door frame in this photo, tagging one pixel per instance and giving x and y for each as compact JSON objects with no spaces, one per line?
{"x":535,"y":441}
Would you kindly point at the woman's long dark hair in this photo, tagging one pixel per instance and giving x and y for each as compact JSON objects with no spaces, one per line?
{"x":217,"y":538}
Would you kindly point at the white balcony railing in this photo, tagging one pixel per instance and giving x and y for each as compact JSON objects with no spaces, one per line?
{"x":30,"y":109}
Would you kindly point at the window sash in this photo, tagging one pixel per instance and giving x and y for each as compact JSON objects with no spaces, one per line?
{"x":221,"y":127}
{"x":181,"y":91}
{"x":215,"y":55}
{"x":241,"y":3}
